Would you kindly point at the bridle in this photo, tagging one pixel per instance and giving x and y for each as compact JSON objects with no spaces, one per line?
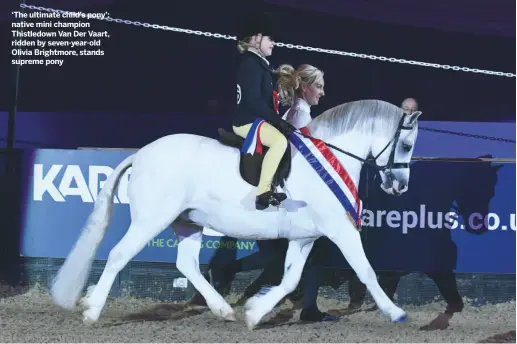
{"x":391,"y":164}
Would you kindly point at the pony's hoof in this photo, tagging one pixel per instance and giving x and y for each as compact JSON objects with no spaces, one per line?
{"x":88,"y":318}
{"x":230,"y":316}
{"x":398,"y":316}
{"x":222,"y":309}
{"x":251,"y":320}
{"x":401,"y":319}
{"x":227,"y":314}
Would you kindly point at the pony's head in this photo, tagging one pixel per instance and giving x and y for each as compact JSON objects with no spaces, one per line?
{"x":388,"y":134}
{"x":393,"y":152}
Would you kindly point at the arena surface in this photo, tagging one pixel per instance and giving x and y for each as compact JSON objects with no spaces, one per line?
{"x":30,"y":316}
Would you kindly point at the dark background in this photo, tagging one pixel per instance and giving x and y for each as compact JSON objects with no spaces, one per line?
{"x":150,"y":71}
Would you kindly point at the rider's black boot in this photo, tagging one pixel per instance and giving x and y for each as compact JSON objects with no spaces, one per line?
{"x":263,"y":201}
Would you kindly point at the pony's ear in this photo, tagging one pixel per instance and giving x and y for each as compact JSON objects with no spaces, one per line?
{"x":412,"y":119}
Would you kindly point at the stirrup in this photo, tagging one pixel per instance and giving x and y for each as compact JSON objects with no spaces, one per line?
{"x":263,"y":201}
{"x":279,"y":196}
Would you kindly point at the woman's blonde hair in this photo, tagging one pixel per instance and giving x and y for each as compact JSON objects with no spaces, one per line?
{"x":290,"y":81}
{"x":244,"y":45}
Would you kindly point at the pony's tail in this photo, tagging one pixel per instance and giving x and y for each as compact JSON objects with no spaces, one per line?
{"x":72,"y":276}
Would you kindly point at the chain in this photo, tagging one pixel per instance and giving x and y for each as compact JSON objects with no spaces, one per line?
{"x":483,"y":137}
{"x":284,"y":45}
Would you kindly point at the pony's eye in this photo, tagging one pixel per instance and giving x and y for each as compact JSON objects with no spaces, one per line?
{"x":407,"y":147}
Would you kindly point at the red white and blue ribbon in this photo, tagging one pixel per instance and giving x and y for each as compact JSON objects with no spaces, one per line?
{"x":330,"y":170}
{"x":276,"y":100}
{"x":252,"y":143}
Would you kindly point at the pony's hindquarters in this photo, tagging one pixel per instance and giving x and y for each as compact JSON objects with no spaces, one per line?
{"x":155,"y":187}
{"x":72,"y":276}
{"x":159,"y":190}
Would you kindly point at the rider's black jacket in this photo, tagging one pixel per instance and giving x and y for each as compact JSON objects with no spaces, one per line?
{"x":254,"y":91}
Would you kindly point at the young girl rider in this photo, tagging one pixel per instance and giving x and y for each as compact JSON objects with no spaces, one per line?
{"x":255,"y":99}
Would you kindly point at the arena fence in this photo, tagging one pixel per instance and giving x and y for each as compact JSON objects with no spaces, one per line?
{"x":159,"y":281}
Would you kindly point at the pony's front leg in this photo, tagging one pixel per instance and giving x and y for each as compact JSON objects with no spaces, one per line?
{"x":349,"y":242}
{"x":261,"y":304}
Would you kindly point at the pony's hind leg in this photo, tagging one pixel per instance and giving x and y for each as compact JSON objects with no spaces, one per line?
{"x":187,"y":262}
{"x":138,"y":235}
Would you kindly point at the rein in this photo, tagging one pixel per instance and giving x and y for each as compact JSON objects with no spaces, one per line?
{"x":372,"y":162}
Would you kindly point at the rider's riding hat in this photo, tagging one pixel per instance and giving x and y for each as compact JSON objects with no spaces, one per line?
{"x":255,"y":23}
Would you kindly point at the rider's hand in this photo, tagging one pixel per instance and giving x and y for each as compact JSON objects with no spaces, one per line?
{"x":286,"y":127}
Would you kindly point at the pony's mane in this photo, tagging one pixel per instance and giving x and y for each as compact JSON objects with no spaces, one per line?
{"x":362,"y":116}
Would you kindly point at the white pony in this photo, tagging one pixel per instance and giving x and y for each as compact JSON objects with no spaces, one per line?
{"x":195,"y":181}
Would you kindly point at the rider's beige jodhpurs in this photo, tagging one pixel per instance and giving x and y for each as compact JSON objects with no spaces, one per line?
{"x":277,"y":143}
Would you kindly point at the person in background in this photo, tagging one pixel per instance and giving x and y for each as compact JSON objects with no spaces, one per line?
{"x":300,"y":89}
{"x":409,"y":105}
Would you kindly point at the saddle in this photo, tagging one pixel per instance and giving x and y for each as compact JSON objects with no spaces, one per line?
{"x":250,"y":165}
